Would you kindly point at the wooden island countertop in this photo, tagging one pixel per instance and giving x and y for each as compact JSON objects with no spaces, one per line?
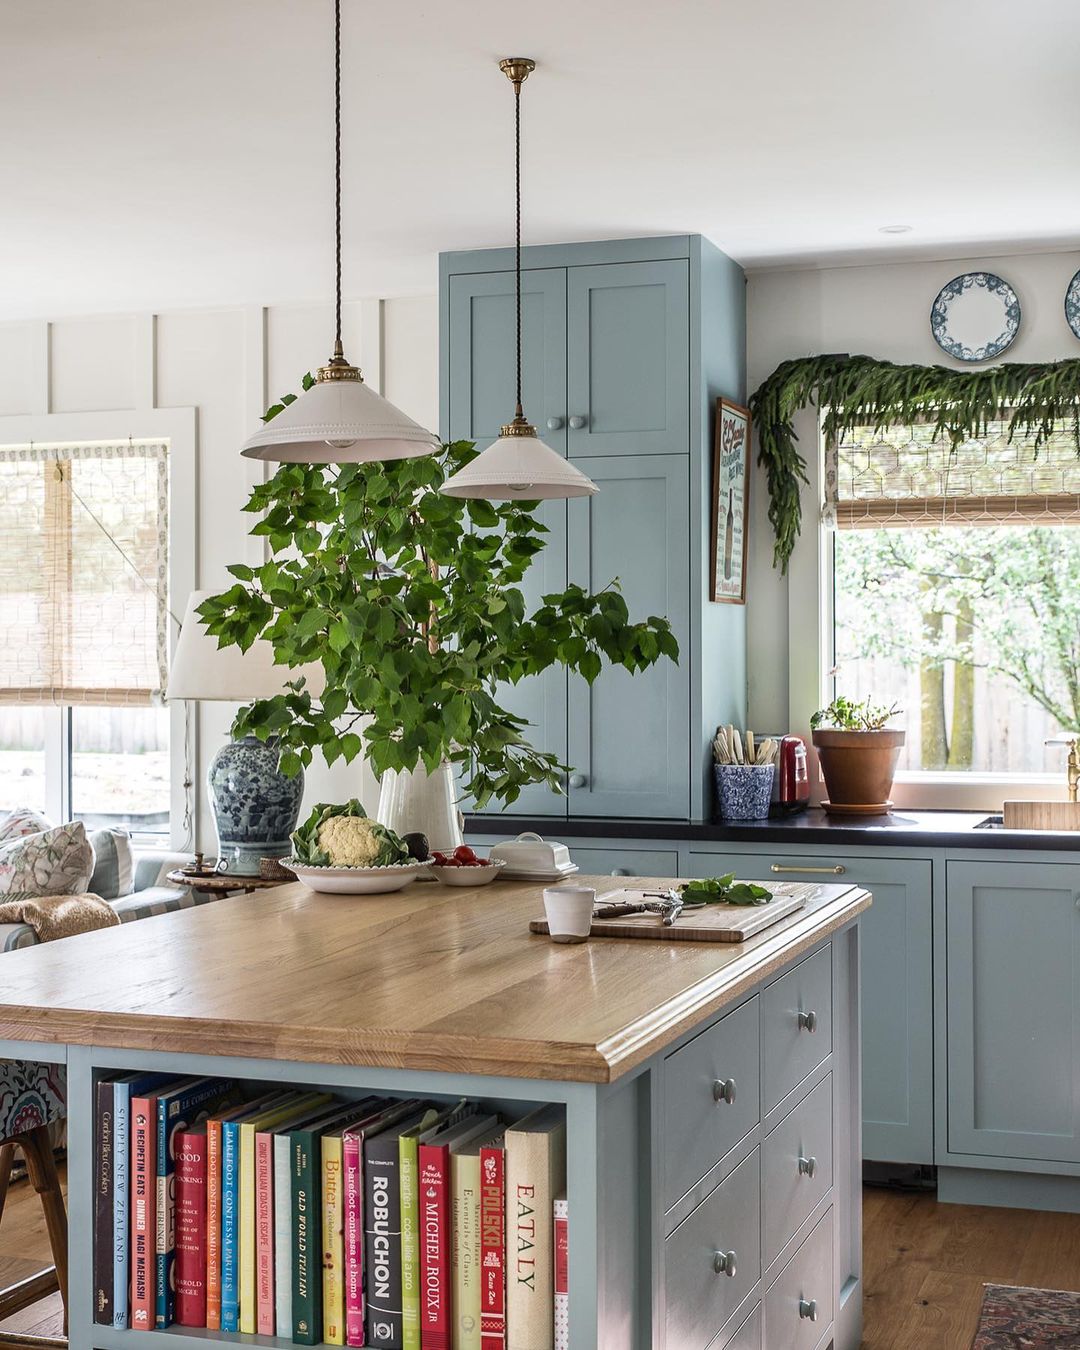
{"x":432,"y":977}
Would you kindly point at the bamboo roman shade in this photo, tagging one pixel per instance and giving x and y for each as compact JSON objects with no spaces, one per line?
{"x":902,"y":476}
{"x":83,"y":573}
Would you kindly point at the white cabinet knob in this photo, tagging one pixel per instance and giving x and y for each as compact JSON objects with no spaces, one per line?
{"x":577,"y":422}
{"x":578,"y":780}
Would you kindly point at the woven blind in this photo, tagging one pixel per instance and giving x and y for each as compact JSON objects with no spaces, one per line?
{"x":903,"y":477}
{"x":83,"y":573}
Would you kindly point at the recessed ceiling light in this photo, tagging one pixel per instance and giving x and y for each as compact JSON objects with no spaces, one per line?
{"x":894,"y":229}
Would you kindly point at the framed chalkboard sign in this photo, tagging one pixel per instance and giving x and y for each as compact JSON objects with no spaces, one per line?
{"x":730,"y":503}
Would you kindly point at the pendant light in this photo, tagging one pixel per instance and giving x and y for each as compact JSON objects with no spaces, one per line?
{"x":340,"y":419}
{"x":518,"y":466}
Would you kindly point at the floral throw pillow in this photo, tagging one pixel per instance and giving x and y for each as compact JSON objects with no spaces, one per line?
{"x":55,"y":862}
{"x":22,"y":821}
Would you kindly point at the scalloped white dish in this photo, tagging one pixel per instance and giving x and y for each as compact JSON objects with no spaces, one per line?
{"x":356,"y":880}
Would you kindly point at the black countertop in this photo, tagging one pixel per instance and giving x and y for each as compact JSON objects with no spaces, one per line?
{"x":923,"y":829}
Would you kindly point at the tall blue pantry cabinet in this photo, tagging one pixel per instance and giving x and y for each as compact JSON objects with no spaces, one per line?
{"x":626,"y":346}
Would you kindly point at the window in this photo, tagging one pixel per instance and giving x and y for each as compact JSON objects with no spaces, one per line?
{"x":84,"y":625}
{"x":956,"y":593}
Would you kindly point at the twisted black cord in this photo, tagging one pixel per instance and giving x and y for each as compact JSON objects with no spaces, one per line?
{"x":517,"y":249}
{"x":337,"y":168}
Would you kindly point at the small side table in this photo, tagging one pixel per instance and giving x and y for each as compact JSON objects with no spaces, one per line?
{"x":221,"y":883}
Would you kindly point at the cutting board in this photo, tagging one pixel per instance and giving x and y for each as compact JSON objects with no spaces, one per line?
{"x":1041,"y":815}
{"x":707,"y":923}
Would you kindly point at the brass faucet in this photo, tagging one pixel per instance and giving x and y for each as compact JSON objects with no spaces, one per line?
{"x":1072,"y":764}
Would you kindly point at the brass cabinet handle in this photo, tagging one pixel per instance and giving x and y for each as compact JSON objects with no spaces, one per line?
{"x":723,"y":1263}
{"x":807,"y":1167}
{"x":723,"y":1090}
{"x":808,"y":1309}
{"x":837,"y":870}
{"x":808,"y":1022}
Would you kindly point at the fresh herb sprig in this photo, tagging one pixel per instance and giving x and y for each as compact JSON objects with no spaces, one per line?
{"x":723,"y":890}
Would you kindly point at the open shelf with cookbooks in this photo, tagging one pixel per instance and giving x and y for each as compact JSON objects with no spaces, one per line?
{"x":236,"y":1210}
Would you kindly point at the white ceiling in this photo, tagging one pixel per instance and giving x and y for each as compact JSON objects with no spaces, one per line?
{"x":177,"y":152}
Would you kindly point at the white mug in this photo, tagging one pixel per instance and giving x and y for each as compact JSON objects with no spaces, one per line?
{"x":569,"y":911}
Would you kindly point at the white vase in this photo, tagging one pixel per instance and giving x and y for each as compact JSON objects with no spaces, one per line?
{"x":414,"y":799}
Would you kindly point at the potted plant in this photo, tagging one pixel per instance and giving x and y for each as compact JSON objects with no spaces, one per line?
{"x":411,"y":602}
{"x":858,"y":754}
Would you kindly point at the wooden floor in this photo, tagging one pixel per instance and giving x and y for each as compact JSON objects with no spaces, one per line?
{"x":925,"y":1264}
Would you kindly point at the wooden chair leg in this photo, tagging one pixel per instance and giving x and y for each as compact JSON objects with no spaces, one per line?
{"x":7,"y":1162}
{"x":45,"y":1179}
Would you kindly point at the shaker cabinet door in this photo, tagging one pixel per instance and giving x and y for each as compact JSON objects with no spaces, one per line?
{"x":629,"y":735}
{"x":1013,"y":982}
{"x":628,"y":358}
{"x":482,"y":354}
{"x":482,"y":380}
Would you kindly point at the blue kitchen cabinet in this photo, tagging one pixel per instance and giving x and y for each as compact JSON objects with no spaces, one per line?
{"x":628,"y":353}
{"x":1013,"y":991}
{"x":629,"y":735}
{"x":626,"y":346}
{"x":481,"y":377}
{"x":897,"y":1001}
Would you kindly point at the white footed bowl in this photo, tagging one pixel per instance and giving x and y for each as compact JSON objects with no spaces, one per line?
{"x":356,"y":880}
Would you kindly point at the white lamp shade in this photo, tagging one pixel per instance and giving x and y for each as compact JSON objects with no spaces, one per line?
{"x":340,"y":422}
{"x":203,"y":670}
{"x":519,"y":468}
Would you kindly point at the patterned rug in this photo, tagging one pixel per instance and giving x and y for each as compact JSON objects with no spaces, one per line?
{"x":1016,"y":1319}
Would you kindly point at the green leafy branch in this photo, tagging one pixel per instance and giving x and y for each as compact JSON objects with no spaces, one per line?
{"x":856,"y":391}
{"x":411,"y":601}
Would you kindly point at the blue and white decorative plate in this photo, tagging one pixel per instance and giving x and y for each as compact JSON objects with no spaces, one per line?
{"x":975,"y":316}
{"x":1072,"y":305}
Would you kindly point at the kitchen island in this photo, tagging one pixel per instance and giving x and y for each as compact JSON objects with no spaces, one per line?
{"x":711,"y":1091}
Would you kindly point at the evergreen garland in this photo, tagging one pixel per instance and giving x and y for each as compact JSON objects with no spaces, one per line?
{"x":856,"y":391}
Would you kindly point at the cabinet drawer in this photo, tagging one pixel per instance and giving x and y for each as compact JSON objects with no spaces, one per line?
{"x":700,"y":1124}
{"x":713,"y":1259}
{"x":748,"y":1336}
{"x":796,"y":1025}
{"x":626,"y":862}
{"x":796,"y":1168}
{"x":799,"y":1302}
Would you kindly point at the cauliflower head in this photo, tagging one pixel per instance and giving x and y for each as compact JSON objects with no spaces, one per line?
{"x":344,"y":836}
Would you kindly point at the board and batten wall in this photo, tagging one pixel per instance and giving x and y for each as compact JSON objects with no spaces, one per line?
{"x":880,"y":310}
{"x":228,"y":364}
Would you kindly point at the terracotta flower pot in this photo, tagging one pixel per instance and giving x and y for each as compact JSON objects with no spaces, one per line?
{"x":858,"y":765}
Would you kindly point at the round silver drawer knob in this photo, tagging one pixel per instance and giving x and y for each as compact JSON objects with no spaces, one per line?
{"x":808,"y":1309}
{"x":724,"y":1263}
{"x":807,"y":1167}
{"x":578,"y":780}
{"x":723,"y":1090}
{"x":577,"y":423}
{"x":807,"y":1021}
{"x":554,"y":423}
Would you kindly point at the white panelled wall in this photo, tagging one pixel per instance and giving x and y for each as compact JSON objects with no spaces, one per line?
{"x":229,"y":365}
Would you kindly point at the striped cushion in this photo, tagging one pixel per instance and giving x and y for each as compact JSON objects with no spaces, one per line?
{"x":113,"y":864}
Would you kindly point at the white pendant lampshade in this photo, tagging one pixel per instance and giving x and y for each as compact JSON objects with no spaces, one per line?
{"x":339,"y":420}
{"x":203,"y":670}
{"x":519,"y":467}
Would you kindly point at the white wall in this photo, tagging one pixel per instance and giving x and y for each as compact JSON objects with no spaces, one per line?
{"x":228,"y":364}
{"x":880,"y":311}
